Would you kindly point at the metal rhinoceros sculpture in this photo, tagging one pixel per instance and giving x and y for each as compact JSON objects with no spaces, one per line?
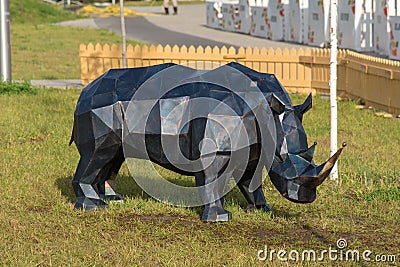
{"x":126,"y":113}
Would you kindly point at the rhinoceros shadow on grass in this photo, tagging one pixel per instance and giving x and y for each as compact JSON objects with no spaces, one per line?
{"x":127,"y":187}
{"x":228,"y":122}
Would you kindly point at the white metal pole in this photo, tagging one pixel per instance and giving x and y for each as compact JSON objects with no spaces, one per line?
{"x":123,"y":32}
{"x":332,"y":83}
{"x":113,"y":2}
{"x":5,"y":47}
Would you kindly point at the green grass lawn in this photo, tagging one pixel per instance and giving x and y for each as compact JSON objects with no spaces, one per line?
{"x":41,"y":50}
{"x":40,"y":227}
{"x":52,"y":52}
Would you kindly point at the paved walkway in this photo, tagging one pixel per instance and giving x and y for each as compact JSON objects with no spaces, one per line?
{"x":63,"y":84}
{"x":191,"y":21}
{"x":187,"y":28}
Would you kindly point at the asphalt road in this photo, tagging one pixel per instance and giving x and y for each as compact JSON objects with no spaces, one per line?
{"x":140,"y":29}
{"x":187,"y":28}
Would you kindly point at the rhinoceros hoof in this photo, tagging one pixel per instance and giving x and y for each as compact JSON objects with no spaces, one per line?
{"x":265,"y":208}
{"x":216,"y":214}
{"x":252,"y":207}
{"x":113,"y":198}
{"x":85,"y":203}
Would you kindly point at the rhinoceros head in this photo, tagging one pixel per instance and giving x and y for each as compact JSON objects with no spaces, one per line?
{"x":293,"y":171}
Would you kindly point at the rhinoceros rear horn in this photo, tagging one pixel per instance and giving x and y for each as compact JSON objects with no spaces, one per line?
{"x":306,"y":106}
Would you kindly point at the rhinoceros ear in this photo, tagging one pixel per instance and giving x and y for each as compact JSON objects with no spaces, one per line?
{"x":277,"y":105}
{"x":306,"y":106}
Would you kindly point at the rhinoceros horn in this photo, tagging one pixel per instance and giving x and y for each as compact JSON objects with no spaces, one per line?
{"x":326,"y":167}
{"x":309,"y":153}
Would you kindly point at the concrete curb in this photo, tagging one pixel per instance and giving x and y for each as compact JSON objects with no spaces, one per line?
{"x":61,"y":84}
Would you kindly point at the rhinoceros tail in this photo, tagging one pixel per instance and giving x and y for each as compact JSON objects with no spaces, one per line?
{"x":72,"y":137}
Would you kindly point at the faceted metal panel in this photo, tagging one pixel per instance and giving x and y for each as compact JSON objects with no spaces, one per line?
{"x":142,"y":117}
{"x":173,"y":112}
{"x":221,"y":136}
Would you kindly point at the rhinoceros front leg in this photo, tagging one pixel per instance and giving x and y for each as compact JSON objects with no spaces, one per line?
{"x":211,"y":183}
{"x":255,"y":199}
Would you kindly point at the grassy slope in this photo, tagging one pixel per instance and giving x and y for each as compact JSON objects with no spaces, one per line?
{"x":39,"y":225}
{"x":36,"y":12}
{"x":44,"y":51}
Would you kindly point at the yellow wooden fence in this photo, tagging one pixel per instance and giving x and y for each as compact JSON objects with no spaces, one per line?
{"x":373,"y":80}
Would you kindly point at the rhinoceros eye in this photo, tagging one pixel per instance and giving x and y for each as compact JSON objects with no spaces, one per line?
{"x":277,"y":105}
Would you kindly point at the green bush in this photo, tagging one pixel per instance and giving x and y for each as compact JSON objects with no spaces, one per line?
{"x":17,"y":88}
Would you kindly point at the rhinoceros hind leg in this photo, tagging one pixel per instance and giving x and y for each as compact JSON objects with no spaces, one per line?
{"x":86,"y":203}
{"x":90,"y":174}
{"x":265,"y":208}
{"x":111,"y":195}
{"x":106,"y":185}
{"x":107,"y":193}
